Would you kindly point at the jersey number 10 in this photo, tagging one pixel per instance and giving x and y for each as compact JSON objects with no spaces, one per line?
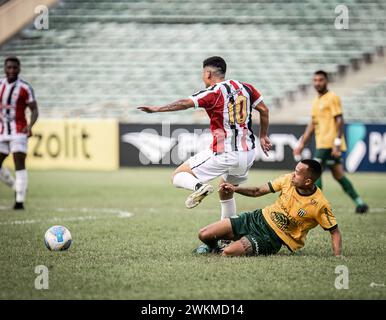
{"x":238,"y":110}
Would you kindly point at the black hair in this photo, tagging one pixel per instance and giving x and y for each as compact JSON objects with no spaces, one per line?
{"x":216,"y":62}
{"x":314,"y":168}
{"x":12,"y":59}
{"x":321,"y":72}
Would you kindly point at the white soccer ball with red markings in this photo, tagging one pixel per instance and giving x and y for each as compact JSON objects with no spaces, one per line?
{"x":57,"y":238}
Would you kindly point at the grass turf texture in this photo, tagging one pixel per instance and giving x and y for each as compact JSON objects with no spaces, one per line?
{"x":149,"y":255}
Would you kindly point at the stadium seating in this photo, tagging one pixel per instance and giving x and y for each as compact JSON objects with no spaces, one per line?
{"x":104,"y":58}
{"x":368,"y":105}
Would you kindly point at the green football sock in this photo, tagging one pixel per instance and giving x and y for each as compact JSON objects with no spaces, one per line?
{"x":212,"y":243}
{"x":349,"y":189}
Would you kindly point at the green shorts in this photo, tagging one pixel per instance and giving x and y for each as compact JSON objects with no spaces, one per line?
{"x":325,"y":159}
{"x":253,"y":226}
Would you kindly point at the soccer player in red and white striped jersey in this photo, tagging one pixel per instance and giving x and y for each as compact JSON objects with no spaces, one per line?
{"x":15,"y":96}
{"x":229,"y":105}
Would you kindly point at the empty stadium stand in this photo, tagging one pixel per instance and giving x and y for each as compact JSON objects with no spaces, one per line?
{"x":103,"y":58}
{"x":368,"y":104}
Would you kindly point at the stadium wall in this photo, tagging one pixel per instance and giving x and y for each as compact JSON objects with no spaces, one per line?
{"x":79,"y":144}
{"x":95,"y":144}
{"x":171,"y":145}
{"x":16,"y":14}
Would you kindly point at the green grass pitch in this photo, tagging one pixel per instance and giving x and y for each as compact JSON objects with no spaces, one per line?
{"x":149,"y":254}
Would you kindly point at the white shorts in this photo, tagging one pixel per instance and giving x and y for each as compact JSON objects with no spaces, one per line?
{"x":232,"y":166}
{"x":17,"y":143}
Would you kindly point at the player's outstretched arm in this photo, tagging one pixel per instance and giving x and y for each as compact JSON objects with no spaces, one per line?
{"x":265,"y":143}
{"x":33,"y":106}
{"x":336,"y":240}
{"x":304,"y":138}
{"x":182,"y":104}
{"x":245,"y":191}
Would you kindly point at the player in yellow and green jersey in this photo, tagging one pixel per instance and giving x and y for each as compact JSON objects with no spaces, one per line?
{"x":300,"y":207}
{"x":328,"y":125}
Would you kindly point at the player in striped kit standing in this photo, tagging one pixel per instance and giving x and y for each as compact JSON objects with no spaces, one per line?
{"x":229,"y":105}
{"x":15,"y":96}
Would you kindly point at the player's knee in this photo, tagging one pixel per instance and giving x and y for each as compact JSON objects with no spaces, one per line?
{"x":203,"y":234}
{"x":338,"y":175}
{"x":174,"y":175}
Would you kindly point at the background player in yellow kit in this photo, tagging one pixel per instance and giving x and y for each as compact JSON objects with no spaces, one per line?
{"x":328,"y":125}
{"x":301,"y":206}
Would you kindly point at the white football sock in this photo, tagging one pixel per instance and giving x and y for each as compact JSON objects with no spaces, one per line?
{"x":6,"y":177}
{"x":185,"y":180}
{"x":228,"y":208}
{"x":21,"y":184}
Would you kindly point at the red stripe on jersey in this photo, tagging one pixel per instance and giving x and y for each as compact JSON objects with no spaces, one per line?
{"x":212,"y":100}
{"x":255,"y":94}
{"x":217,"y":124}
{"x":208,"y":100}
{"x":1,"y":108}
{"x":234,"y":84}
{"x":21,"y":104}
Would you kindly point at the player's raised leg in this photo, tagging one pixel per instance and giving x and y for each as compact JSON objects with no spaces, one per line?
{"x":21,"y":182}
{"x":338,"y":174}
{"x":184,"y":177}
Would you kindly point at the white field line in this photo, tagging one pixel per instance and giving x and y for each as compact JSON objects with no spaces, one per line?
{"x":117,"y":213}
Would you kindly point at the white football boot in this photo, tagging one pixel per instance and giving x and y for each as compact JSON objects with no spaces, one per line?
{"x":7,"y":178}
{"x":197,"y":196}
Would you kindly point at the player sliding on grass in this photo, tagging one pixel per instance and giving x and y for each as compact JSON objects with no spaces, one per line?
{"x":327,"y":122}
{"x":229,"y":105}
{"x":301,"y":206}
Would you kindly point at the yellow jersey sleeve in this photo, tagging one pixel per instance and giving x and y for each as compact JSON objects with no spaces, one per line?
{"x":313,"y":110}
{"x":277,"y":184}
{"x":336,"y":107}
{"x":326,"y":218}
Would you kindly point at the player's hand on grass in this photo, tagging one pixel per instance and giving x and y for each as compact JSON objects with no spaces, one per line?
{"x":148,"y":109}
{"x":227,"y":188}
{"x":265,"y":144}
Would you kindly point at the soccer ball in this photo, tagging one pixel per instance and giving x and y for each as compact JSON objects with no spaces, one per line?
{"x":57,"y":238}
